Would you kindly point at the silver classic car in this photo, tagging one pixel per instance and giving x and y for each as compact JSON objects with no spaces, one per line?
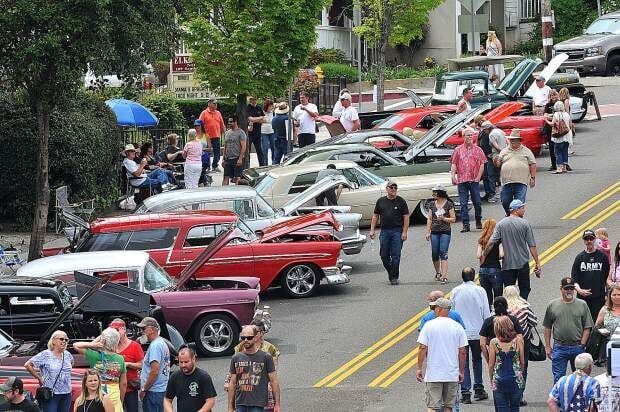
{"x":256,"y":212}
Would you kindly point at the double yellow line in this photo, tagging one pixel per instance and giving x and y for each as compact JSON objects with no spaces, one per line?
{"x":386,"y":378}
{"x":584,"y":207}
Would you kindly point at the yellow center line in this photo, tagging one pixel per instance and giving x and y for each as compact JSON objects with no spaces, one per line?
{"x":584,"y":207}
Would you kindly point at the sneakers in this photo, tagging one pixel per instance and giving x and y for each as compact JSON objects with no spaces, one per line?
{"x":216,"y":170}
{"x":480,"y":394}
{"x":466,"y":398}
{"x":393,"y":281}
{"x":167,"y":186}
{"x":465,"y":229}
{"x":494,"y":199}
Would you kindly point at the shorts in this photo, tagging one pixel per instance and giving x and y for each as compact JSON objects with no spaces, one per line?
{"x":231,"y":169}
{"x":441,"y":394}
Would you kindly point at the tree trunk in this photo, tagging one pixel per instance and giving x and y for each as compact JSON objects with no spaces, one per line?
{"x":241,"y":110}
{"x":386,"y":27}
{"x":42,"y":183}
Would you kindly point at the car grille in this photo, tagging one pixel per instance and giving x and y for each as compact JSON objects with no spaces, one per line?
{"x":573,"y":54}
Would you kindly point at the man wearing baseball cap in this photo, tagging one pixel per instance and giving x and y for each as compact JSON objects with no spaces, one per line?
{"x":155,"y":368}
{"x":590,"y":271}
{"x":348,"y":117}
{"x":568,"y":320}
{"x":13,"y":391}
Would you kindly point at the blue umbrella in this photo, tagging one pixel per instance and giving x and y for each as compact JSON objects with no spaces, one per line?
{"x":130,"y":113}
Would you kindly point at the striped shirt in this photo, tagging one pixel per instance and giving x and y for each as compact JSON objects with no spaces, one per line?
{"x":563,"y":391}
{"x":527,"y":319}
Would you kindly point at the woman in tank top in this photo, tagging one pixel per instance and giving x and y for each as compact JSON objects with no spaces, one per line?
{"x":506,"y":363}
{"x":92,"y":398}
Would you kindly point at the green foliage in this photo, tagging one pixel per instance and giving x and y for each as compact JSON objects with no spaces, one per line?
{"x":609,"y":6}
{"x":191,"y":109}
{"x":84,"y":143}
{"x":335,"y":70}
{"x":571,"y":18}
{"x":321,"y":55}
{"x":164,"y":106}
{"x":392,"y":73}
{"x":533,"y":45}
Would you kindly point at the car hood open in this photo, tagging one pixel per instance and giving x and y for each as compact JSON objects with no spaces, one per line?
{"x":552,"y":67}
{"x":518,"y":76}
{"x":328,"y":182}
{"x":299,"y":223}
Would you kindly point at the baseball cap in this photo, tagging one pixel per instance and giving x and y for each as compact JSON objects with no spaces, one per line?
{"x":197,"y":122}
{"x":588,"y":234}
{"x":345,"y":96}
{"x":486,"y":124}
{"x":391,"y":183}
{"x":516,"y":204}
{"x":148,"y":321}
{"x":567,"y":281}
{"x":540,"y":77}
{"x":11,"y":384}
{"x":443,"y":303}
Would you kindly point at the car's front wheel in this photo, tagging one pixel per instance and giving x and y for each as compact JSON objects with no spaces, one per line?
{"x":300,"y":280}
{"x":216,"y":335}
{"x":613,"y":66}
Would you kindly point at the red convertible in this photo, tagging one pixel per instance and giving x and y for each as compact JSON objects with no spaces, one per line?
{"x":280,"y":254}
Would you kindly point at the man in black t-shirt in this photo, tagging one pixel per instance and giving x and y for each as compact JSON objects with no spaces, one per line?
{"x":590,"y":271}
{"x":192,"y":386}
{"x":13,"y":390}
{"x":256,"y":116}
{"x":394,"y":214}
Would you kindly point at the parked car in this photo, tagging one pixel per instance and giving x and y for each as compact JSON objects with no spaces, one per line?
{"x":282,"y":183}
{"x":254,"y":210}
{"x":597,"y":50}
{"x":207,"y":311}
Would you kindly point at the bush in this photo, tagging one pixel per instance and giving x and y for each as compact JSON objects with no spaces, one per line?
{"x":336,"y":70}
{"x":165,"y":107}
{"x":571,"y":18}
{"x":191,"y":109}
{"x":318,"y":56}
{"x":392,"y":73}
{"x":84,"y":142}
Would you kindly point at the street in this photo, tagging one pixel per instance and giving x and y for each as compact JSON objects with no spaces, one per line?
{"x":353,"y":347}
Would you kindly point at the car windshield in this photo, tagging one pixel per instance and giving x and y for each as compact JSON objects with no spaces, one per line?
{"x":389,"y":122}
{"x":453,"y":89}
{"x":264,"y":209}
{"x":5,"y":343}
{"x":155,"y":277}
{"x":367,"y":178}
{"x":301,"y":158}
{"x":265,"y":184}
{"x":604,"y":26}
{"x":103,"y":241}
{"x":246,"y":230}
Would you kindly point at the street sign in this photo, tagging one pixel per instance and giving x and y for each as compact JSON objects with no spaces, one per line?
{"x":472,"y":4}
{"x":481,"y":23}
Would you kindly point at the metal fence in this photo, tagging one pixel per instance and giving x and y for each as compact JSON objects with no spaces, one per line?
{"x":156,"y":136}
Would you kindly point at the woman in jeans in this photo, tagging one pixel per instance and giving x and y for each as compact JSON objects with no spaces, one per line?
{"x":267,"y":136}
{"x":440,"y":216}
{"x":490,"y":266}
{"x":560,"y":120}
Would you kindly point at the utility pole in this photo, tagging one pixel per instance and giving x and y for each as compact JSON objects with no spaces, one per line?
{"x":547,"y":29}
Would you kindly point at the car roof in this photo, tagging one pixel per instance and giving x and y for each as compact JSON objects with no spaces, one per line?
{"x":310,"y":167}
{"x":465,"y":75}
{"x":69,"y":262}
{"x":161,"y":220}
{"x":189,"y":195}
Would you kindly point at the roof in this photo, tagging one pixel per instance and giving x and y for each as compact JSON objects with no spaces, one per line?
{"x":309,"y":167}
{"x":83,"y":261}
{"x":464,"y":75}
{"x":210,"y":193}
{"x":160,"y":220}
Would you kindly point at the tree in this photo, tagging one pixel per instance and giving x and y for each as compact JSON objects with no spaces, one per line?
{"x":47,"y":47}
{"x":392,"y":22}
{"x":250,"y":47}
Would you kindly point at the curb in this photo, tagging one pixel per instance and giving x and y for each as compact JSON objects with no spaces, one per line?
{"x":600,"y":81}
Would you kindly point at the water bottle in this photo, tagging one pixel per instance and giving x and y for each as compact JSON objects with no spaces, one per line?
{"x":373,"y":245}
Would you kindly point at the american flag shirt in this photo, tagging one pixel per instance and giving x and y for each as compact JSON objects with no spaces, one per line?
{"x":573,"y":393}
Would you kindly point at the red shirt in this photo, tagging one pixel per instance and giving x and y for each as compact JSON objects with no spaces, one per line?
{"x":468,"y":161}
{"x":212,"y":122}
{"x":132,"y":353}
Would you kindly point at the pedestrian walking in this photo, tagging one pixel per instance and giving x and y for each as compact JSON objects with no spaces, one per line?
{"x":498,"y":142}
{"x":214,"y":127}
{"x":464,"y":105}
{"x":394,"y":214}
{"x":235,"y":145}
{"x":132,"y":353}
{"x":92,"y":398}
{"x":561,"y":136}
{"x":564,"y":97}
{"x":155,"y":368}
{"x":101,"y":355}
{"x":256,"y":117}
{"x":575,"y":392}
{"x":52,"y":368}
{"x":518,"y":242}
{"x":568,"y":320}
{"x":602,"y":242}
{"x":441,"y":215}
{"x":306,"y":113}
{"x":431,"y":298}
{"x":267,"y":136}
{"x":250,"y":372}
{"x":614,"y":271}
{"x":330,"y":195}
{"x":279,"y":123}
{"x":192,"y":151}
{"x":467,"y":165}
{"x":506,"y":366}
{"x":554,"y":96}
{"x":541,"y":96}
{"x":490,"y":265}
{"x":443,"y":345}
{"x":517,"y":170}
{"x":470,"y":301}
{"x":191,"y":386}
{"x":13,"y":391}
{"x":349,"y":117}
{"x":500,"y":308}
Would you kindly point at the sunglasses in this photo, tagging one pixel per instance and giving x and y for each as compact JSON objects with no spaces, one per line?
{"x":247,"y":337}
{"x":589,"y":239}
{"x":392,"y":187}
{"x":568,"y":288}
{"x":63,"y":339}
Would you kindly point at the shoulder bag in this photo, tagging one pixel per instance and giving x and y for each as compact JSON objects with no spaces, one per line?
{"x":45,"y":394}
{"x":560,"y":128}
{"x":537,"y":352}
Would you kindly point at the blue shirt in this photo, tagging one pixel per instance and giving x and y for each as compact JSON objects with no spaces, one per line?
{"x":431,"y":315}
{"x":278,"y":123}
{"x":157,"y":352}
{"x":52,"y":367}
{"x":563,"y":391}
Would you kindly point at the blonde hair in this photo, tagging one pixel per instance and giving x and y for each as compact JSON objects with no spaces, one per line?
{"x":84,"y":392}
{"x":191,"y":134}
{"x":57,"y":333}
{"x":515,"y":301}
{"x":491,"y":36}
{"x":602,"y":233}
{"x":479,"y":119}
{"x":172,"y":138}
{"x":564,"y":94}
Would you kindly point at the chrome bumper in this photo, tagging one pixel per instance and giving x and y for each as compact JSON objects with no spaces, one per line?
{"x":353,"y":246}
{"x":336,"y":275}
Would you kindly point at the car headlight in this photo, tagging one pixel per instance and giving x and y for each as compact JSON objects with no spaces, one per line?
{"x":594,"y":51}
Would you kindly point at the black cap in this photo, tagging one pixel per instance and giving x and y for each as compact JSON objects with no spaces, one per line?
{"x":588,"y":234}
{"x":567,"y":281}
{"x":11,"y":384}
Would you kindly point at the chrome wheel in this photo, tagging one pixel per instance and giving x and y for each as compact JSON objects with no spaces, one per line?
{"x":300,"y":281}
{"x":216,"y":335}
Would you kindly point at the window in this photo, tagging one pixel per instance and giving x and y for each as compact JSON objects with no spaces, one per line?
{"x":302,"y":182}
{"x":530,"y":10}
{"x":242,"y":207}
{"x":386,"y":143}
{"x":31,"y":304}
{"x":389,"y":122}
{"x":155,"y":278}
{"x":203,"y":235}
{"x":354,"y":176}
{"x":152,"y":239}
{"x":127,"y":278}
{"x":601,"y":26}
{"x":103,"y":241}
{"x":263,"y":208}
{"x":364,"y":159}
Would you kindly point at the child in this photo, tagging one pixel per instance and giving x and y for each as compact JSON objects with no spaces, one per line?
{"x":602,"y":242}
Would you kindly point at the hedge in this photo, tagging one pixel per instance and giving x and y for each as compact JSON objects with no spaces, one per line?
{"x":84,"y":152}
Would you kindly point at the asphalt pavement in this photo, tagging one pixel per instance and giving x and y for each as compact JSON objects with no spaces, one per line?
{"x":352,"y":347}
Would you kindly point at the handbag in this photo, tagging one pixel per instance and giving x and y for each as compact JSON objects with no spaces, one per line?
{"x":537,"y":352}
{"x":560,"y":128}
{"x":45,"y":394}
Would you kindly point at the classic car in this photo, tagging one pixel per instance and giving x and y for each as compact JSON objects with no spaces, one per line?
{"x":280,"y":254}
{"x":282,"y":183}
{"x":254,"y":210}
{"x":207,"y":311}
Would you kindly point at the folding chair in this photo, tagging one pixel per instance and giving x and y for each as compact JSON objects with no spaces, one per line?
{"x":84,"y":208}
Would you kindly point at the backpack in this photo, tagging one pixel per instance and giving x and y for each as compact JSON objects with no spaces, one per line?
{"x":560,"y":128}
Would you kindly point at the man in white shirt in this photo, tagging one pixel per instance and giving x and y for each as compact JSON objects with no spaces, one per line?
{"x":349,"y":118}
{"x":157,"y":180}
{"x":541,"y":96}
{"x":305,"y":113}
{"x":443,"y":345}
{"x":470,"y":301}
{"x":337,"y":110}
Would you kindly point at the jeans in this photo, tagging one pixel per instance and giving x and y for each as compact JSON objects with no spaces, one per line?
{"x":440,"y":242}
{"x":476,"y":361}
{"x":488,"y":180}
{"x":560,"y":355}
{"x":217,"y":152}
{"x":509,"y":192}
{"x":552,"y":153}
{"x":130,"y":403}
{"x":280,"y":150}
{"x":268,"y":141}
{"x":153,"y":402}
{"x":249,"y":408}
{"x":522,"y":276}
{"x":465,"y":190}
{"x":561,"y":153}
{"x":60,"y":402}
{"x":156,"y":178}
{"x":491,"y":282}
{"x":507,"y":401}
{"x":256,"y":141}
{"x":390,"y":244}
{"x":305,"y":139}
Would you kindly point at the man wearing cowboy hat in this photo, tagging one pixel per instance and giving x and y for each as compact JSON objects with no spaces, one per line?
{"x":156,"y":180}
{"x":518,"y":170}
{"x":280,"y":126}
{"x":349,"y":118}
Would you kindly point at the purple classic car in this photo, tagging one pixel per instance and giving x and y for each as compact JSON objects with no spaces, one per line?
{"x":207,"y":311}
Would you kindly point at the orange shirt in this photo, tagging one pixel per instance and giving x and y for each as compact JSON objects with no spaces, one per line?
{"x":212,"y":121}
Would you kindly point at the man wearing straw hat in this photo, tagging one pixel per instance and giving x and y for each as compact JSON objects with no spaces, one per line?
{"x":279,"y":124}
{"x":156,"y":179}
